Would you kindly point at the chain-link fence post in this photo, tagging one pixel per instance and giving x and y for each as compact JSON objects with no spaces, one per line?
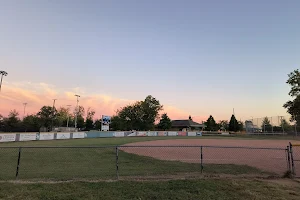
{"x":288,"y":158}
{"x":18,"y":164}
{"x":292,"y":160}
{"x":117,"y":162}
{"x":201,"y":156}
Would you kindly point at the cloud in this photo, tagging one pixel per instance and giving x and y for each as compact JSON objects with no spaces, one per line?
{"x":176,"y":113}
{"x":37,"y":95}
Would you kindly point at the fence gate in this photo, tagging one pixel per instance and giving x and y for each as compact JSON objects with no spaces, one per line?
{"x":295,"y":159}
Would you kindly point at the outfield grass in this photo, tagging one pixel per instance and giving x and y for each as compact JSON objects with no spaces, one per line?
{"x":100,"y":163}
{"x":175,"y":189}
{"x":126,"y":140}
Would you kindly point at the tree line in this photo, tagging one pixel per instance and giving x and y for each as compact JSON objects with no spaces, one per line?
{"x":141,"y":115}
{"x":293,"y":106}
{"x":48,"y":117}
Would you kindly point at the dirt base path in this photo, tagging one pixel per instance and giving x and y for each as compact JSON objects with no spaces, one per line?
{"x":270,"y":160}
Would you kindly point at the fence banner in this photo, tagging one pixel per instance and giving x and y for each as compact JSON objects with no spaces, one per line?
{"x":7,"y":137}
{"x":224,"y":133}
{"x":46,"y":136}
{"x":162,"y":133}
{"x":130,"y":134}
{"x":141,"y":134}
{"x":182,"y":134}
{"x":106,"y":134}
{"x":28,"y":136}
{"x":119,"y":134}
{"x":192,"y":134}
{"x":199,"y":133}
{"x":172,"y":133}
{"x":151,"y":134}
{"x":63,"y":136}
{"x":78,"y":135}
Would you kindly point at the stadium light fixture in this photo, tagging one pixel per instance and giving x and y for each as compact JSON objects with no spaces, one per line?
{"x":2,"y":73}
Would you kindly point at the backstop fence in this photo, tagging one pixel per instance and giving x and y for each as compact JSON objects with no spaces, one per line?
{"x":143,"y":162}
{"x":274,"y":124}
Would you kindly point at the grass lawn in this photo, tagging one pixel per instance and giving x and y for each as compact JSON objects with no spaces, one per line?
{"x":97,"y":163}
{"x":126,"y":140}
{"x":175,"y":189}
{"x":100,"y":163}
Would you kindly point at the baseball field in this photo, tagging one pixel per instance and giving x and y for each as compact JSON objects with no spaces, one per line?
{"x":147,"y":168}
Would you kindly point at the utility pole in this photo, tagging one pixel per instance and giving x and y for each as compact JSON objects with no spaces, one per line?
{"x":24,"y":104}
{"x":53,"y":114}
{"x":2,"y":73}
{"x":76,"y":95}
{"x":281,"y":123}
{"x":68,"y":115}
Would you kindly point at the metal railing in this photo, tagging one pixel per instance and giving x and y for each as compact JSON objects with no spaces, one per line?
{"x":139,"y":162}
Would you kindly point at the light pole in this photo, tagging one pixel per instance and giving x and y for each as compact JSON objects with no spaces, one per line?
{"x":2,"y":73}
{"x":281,"y":124}
{"x":25,"y":104}
{"x":53,"y":114}
{"x":252,"y":124}
{"x":68,"y":115}
{"x":76,"y":95}
{"x":272,"y":124}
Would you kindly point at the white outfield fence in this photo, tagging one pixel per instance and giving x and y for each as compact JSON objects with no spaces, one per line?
{"x":15,"y":137}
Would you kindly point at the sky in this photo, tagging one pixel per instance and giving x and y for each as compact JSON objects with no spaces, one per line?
{"x":196,"y":57}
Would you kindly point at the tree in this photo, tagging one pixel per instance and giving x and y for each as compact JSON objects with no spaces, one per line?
{"x":62,"y":117}
{"x":117,"y":124}
{"x":90,"y":113}
{"x":223,"y":124}
{"x":150,"y":112}
{"x":1,"y":123}
{"x":240,"y":125}
{"x":285,"y":125}
{"x":165,"y":122}
{"x":138,"y":116}
{"x":89,"y":123}
{"x":80,"y":122}
{"x":80,"y":111}
{"x":266,"y":125}
{"x":31,"y":123}
{"x":80,"y":114}
{"x":12,"y":123}
{"x":233,"y":124}
{"x":293,"y":107}
{"x":211,"y":124}
{"x":97,"y":124}
{"x":46,"y":114}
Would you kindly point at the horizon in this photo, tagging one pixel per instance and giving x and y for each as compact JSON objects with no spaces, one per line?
{"x":199,"y":58}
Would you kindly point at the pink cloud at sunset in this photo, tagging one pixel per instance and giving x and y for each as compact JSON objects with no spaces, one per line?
{"x":37,"y":95}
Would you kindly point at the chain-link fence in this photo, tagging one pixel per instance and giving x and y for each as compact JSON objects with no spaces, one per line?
{"x":274,"y":124}
{"x":139,"y":162}
{"x":295,"y":159}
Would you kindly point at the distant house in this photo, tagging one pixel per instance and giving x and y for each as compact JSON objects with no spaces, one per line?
{"x":186,"y":125}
